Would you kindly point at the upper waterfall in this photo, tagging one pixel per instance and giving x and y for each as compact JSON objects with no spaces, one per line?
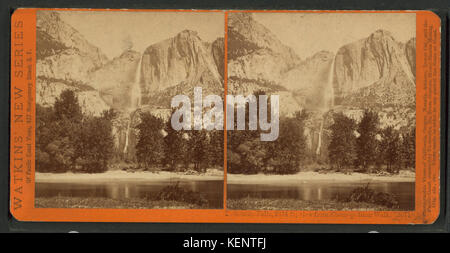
{"x":135,"y":98}
{"x":329,"y":89}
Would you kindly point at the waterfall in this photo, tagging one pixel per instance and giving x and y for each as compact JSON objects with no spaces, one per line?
{"x":328,"y":102}
{"x":319,"y":142}
{"x":135,"y":100}
{"x":136,"y":89}
{"x":125,"y":149}
{"x":329,"y":89}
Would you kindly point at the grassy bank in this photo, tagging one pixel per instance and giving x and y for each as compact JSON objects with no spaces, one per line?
{"x":294,"y":204}
{"x":94,"y":202}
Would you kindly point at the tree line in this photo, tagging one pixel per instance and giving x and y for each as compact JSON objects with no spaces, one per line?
{"x":159,"y":145}
{"x":68,"y":140}
{"x":366,"y":146}
{"x":362,"y":146}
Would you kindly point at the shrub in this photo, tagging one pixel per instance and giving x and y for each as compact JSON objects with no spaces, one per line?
{"x":386,"y":199}
{"x":365,"y":194}
{"x":362,"y":194}
{"x":176,"y":193}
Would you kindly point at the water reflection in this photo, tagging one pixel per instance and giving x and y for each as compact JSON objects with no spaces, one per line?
{"x":212,"y":190}
{"x":322,"y":191}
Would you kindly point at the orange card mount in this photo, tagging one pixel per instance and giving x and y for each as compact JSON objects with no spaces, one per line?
{"x":354,"y":109}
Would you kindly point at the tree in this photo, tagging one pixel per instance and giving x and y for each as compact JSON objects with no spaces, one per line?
{"x":175,"y":147}
{"x":252,"y":155}
{"x":95,"y":144}
{"x":109,"y":114}
{"x":56,"y":134}
{"x":233,"y":162}
{"x":366,"y":142}
{"x":150,"y":145}
{"x":342,"y":147}
{"x":67,"y":106}
{"x":390,"y":149}
{"x":44,"y":119}
{"x":215,"y":148}
{"x":288,"y":152}
{"x":408,"y":149}
{"x":68,"y":140}
{"x":198,"y":144}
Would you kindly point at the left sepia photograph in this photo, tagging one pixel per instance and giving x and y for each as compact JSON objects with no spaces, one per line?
{"x":104,"y":85}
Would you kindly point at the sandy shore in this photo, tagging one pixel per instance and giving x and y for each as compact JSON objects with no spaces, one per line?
{"x":113,"y":176}
{"x":310,"y":176}
{"x":214,"y":174}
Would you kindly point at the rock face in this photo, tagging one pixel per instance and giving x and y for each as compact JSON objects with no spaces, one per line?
{"x":257,"y":60}
{"x":49,"y":22}
{"x":375,"y":70}
{"x":410,"y":52}
{"x":310,"y":80}
{"x":64,"y":61}
{"x":254,"y":52}
{"x":115,"y":79}
{"x":176,"y":65}
{"x":218,"y":50}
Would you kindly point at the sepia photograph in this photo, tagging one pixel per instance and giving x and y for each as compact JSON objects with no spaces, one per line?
{"x":345,"y":92}
{"x":319,"y":110}
{"x":104,"y":85}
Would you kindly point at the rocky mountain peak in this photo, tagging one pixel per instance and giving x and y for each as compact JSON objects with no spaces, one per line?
{"x":375,"y":70}
{"x":323,"y":55}
{"x":50,"y":22}
{"x":254,"y":52}
{"x":64,"y":61}
{"x":187,"y":33}
{"x":130,"y":54}
{"x":381,"y":33}
{"x":180,"y":63}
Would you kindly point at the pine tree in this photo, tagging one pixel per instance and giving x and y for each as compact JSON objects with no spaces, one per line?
{"x":175,"y":147}
{"x":150,"y":145}
{"x":198,"y":144}
{"x":289,"y":151}
{"x":342,"y":147}
{"x":67,"y":107}
{"x":252,"y":154}
{"x":95,"y":144}
{"x":390,"y":149}
{"x":408,"y":149}
{"x":215,"y":148}
{"x":57,"y":134}
{"x":366,"y":142}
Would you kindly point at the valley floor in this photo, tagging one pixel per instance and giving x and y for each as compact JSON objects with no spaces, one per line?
{"x":311,"y":176}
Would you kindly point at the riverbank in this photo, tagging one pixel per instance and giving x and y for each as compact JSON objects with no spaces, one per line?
{"x":95,"y":202}
{"x":303,"y":205}
{"x":215,"y":174}
{"x":312,"y":176}
{"x":119,"y":175}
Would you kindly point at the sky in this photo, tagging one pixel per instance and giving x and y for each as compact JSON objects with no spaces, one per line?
{"x":114,"y":31}
{"x":309,"y":33}
{"x":306,"y":33}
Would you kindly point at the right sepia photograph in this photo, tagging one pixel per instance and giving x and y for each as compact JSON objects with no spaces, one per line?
{"x":340,"y":93}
